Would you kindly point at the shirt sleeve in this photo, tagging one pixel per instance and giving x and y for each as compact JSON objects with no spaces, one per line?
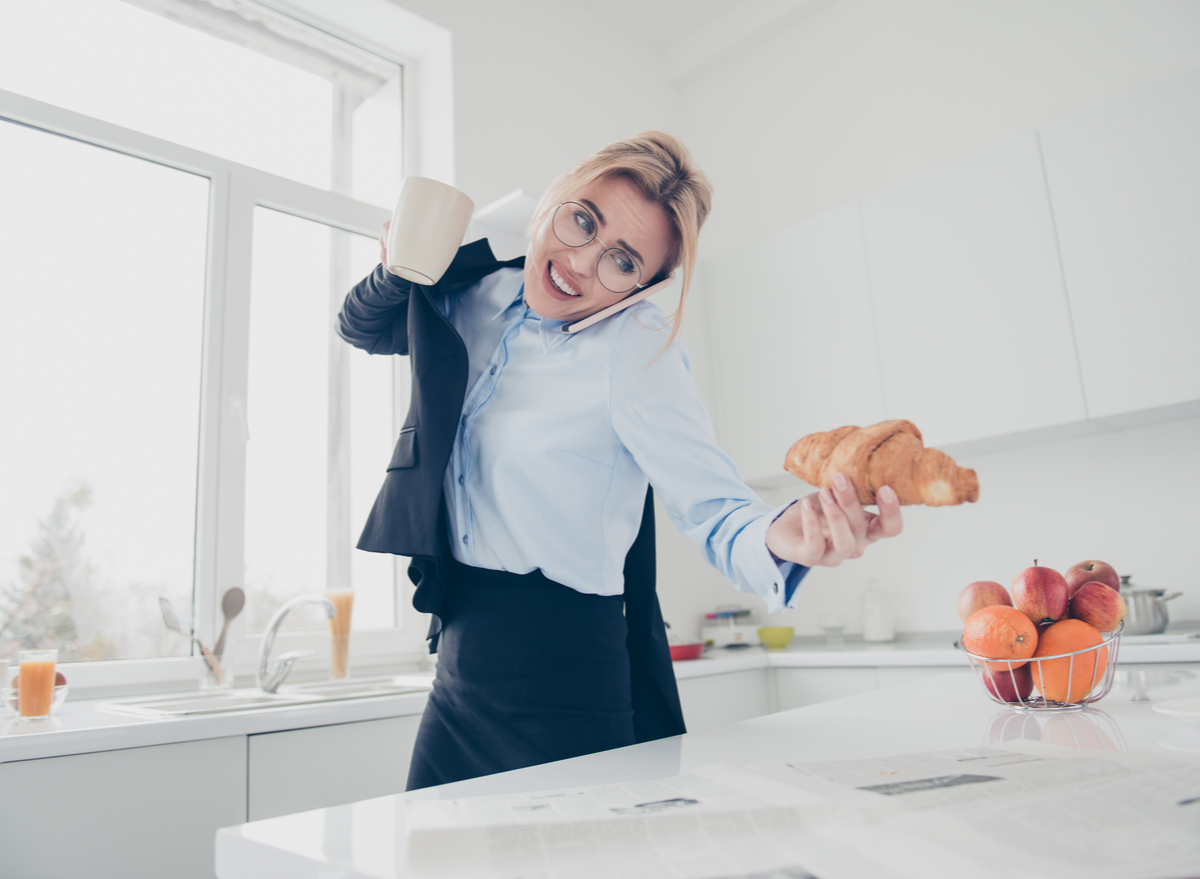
{"x":659,"y":417}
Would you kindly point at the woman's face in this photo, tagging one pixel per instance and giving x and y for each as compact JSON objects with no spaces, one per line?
{"x":561,"y":282}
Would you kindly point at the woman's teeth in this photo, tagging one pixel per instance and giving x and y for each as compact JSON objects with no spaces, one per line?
{"x":560,"y":283}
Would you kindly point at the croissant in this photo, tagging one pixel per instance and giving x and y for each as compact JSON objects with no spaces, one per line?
{"x":889,"y":453}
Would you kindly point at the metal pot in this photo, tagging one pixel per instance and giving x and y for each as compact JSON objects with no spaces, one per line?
{"x":1146,"y":609}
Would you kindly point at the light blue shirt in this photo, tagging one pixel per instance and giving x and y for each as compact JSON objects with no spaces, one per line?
{"x":559,"y":435}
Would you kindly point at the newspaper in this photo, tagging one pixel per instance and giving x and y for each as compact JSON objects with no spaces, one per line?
{"x":1042,"y":810}
{"x":717,"y":822}
{"x":1020,"y":810}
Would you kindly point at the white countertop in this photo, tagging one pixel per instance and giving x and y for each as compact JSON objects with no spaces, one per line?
{"x":927,"y":650}
{"x":83,"y":726}
{"x":366,"y":840}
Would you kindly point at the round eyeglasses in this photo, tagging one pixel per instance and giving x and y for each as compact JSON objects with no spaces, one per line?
{"x":575,"y":226}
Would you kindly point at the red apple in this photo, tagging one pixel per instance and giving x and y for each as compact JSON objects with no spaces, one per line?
{"x":1098,"y":606}
{"x":1014,"y":686}
{"x":1041,"y":594}
{"x":1092,"y":571}
{"x":981,"y":594}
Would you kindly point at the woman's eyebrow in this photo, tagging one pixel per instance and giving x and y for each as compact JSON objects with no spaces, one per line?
{"x":591,"y":206}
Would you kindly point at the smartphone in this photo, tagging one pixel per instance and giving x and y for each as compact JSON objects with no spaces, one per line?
{"x":632,"y":299}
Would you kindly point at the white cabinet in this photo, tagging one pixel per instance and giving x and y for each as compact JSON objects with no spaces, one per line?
{"x":975,"y":333}
{"x":301,"y":769}
{"x":139,"y":813}
{"x":1124,"y":180}
{"x":785,"y":314}
{"x":715,"y":700}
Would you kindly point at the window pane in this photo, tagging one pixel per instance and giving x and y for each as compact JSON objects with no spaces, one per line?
{"x":321,"y":427}
{"x":102,"y":272}
{"x":237,"y":82}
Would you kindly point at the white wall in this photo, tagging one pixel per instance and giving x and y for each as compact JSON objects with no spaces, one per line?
{"x":539,"y":84}
{"x":856,"y":95}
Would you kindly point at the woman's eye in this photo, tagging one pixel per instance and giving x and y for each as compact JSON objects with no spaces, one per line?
{"x":624,"y":264}
{"x":585,"y":224}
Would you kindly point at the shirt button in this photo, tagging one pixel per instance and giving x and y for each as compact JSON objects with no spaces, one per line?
{"x":776,"y":587}
{"x":464,"y":421}
{"x":460,"y":480}
{"x":464,"y":538}
{"x":493,"y":372}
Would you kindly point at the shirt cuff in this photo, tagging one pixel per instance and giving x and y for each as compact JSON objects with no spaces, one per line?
{"x":779,"y":579}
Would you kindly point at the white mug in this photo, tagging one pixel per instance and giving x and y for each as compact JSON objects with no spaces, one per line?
{"x":427,"y":227}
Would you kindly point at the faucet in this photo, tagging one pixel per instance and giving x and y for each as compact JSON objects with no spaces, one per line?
{"x":271,"y":674}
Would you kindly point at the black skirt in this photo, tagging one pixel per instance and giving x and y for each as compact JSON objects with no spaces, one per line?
{"x":529,"y":671}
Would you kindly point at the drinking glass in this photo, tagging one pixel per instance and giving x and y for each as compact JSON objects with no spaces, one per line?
{"x":36,"y":677}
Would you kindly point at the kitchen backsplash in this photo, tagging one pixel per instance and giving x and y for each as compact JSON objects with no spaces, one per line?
{"x":1127,"y":497}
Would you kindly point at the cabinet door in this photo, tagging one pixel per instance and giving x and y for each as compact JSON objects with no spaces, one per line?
{"x":303,"y":769}
{"x":974,"y":329}
{"x":1124,"y":180}
{"x":715,"y":700}
{"x":140,"y":813}
{"x":784,"y":316}
{"x":797,"y":687}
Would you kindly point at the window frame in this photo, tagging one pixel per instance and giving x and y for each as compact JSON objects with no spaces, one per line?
{"x":235,"y":191}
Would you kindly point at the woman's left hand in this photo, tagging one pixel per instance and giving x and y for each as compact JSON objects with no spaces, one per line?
{"x":830,"y":526}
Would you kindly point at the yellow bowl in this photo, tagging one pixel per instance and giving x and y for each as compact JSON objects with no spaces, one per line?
{"x":776,"y":637}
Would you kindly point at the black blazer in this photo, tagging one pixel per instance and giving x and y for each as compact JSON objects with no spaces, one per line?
{"x":385,"y":314}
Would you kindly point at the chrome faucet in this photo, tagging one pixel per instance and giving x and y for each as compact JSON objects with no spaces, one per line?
{"x":271,"y":674}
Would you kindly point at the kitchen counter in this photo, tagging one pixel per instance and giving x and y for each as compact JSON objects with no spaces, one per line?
{"x":366,"y":840}
{"x":936,"y":649}
{"x":82,"y":726}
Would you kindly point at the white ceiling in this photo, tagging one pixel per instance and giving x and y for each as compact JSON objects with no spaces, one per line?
{"x":661,"y":21}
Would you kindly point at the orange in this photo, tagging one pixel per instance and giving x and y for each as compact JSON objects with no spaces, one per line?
{"x":1070,"y":678}
{"x":1003,"y":633}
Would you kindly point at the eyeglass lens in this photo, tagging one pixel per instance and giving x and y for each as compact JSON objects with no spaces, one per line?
{"x":575,"y":226}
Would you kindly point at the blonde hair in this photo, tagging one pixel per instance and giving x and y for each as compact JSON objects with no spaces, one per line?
{"x":660,"y":166}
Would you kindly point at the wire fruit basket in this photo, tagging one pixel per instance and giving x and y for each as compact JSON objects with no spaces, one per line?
{"x":1012,"y":682}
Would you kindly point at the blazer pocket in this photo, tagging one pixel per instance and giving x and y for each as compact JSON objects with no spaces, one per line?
{"x":405,"y":454}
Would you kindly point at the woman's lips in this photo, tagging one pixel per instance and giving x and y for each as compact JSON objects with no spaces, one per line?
{"x":552,"y":288}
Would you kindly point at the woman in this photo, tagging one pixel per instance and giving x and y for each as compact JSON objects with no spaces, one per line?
{"x":519,"y":484}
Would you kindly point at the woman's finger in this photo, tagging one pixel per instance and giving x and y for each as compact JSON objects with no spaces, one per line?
{"x":812,"y":544}
{"x":847,"y":498}
{"x":889,"y":522}
{"x":840,"y":533}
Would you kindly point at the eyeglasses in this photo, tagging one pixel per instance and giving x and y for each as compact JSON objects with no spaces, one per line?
{"x":575,"y":226}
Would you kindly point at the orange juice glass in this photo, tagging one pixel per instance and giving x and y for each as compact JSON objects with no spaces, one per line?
{"x":339,"y":631}
{"x":37,"y":683}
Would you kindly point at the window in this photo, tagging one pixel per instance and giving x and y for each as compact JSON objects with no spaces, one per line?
{"x":199,"y":184}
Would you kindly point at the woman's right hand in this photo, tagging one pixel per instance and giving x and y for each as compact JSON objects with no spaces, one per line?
{"x":383,"y":243}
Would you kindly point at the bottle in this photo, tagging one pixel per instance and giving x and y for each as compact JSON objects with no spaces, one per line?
{"x":877,"y":617}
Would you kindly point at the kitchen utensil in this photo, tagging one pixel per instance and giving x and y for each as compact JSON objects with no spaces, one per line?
{"x":686,"y":651}
{"x":1146,"y":609}
{"x":1186,"y":710}
{"x":232,"y":603}
{"x":172,"y":622}
{"x":1101,"y":683}
{"x":776,"y":637}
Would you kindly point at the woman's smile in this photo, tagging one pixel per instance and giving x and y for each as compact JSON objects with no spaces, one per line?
{"x":560,"y":287}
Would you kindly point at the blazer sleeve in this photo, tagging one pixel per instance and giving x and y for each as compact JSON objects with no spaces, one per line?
{"x":374,"y":316}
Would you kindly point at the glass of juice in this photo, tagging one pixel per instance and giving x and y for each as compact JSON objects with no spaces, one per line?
{"x":339,"y":630}
{"x":36,"y":677}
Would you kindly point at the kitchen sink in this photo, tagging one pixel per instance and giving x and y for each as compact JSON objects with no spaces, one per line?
{"x":190,"y":704}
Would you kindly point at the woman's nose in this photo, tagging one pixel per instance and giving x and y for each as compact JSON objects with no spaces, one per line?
{"x":583,"y":259}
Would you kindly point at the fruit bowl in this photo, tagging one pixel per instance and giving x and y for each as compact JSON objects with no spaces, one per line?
{"x":1081,"y":677}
